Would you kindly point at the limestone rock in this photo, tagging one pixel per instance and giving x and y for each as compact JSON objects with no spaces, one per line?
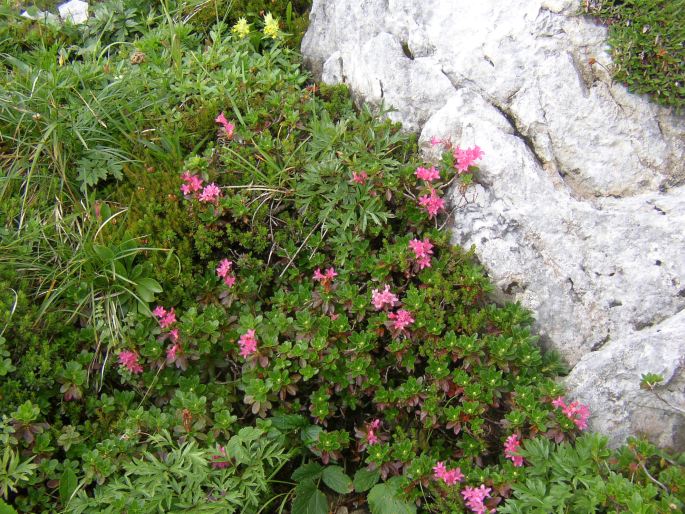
{"x":580,"y":199}
{"x":74,"y":11}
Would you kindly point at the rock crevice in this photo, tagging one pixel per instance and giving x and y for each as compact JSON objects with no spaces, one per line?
{"x":580,"y":193}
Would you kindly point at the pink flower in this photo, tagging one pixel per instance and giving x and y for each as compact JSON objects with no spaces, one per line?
{"x":166,"y":318}
{"x":210,"y":193}
{"x":511,"y":447}
{"x":224,"y":271}
{"x":466,"y":157}
{"x":359,"y":178}
{"x":433,"y":203}
{"x":384,"y":298}
{"x":427,"y":174}
{"x":375,"y":424}
{"x":192,"y":184}
{"x":325,"y":278}
{"x":559,"y":403}
{"x":172,"y":351}
{"x":450,"y":477}
{"x":439,"y":470}
{"x":159,"y":312}
{"x":576,"y":412}
{"x":474,"y":498}
{"x":173,"y":335}
{"x":435,"y":141}
{"x":224,"y":268}
{"x":402,"y":319}
{"x":129,"y":360}
{"x":220,"y":461}
{"x":422,"y":251}
{"x":248,"y":343}
{"x":371,"y":437}
{"x":228,"y":126}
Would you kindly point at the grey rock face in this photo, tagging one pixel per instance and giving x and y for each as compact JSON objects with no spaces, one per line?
{"x":580,"y":204}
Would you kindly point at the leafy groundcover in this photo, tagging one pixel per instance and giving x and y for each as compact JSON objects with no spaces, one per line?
{"x":226,"y":289}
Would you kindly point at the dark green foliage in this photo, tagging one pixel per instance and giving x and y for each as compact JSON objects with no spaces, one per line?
{"x":648,"y":46}
{"x":93,"y":220}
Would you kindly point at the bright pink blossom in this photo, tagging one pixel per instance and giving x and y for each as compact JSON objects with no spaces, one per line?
{"x":325,"y":278}
{"x":248,"y":343}
{"x":174,"y":336}
{"x":375,"y":424}
{"x":428,"y":175}
{"x":129,"y":360}
{"x":172,"y":351}
{"x":450,"y":477}
{"x":575,"y":411}
{"x":166,"y":318}
{"x":359,"y":178}
{"x":385,"y":298}
{"x":466,"y":157}
{"x":228,"y":126}
{"x":224,"y":271}
{"x":192,"y":183}
{"x":432,"y":203}
{"x":435,"y":141}
{"x":511,"y":447}
{"x":159,"y":312}
{"x":371,"y":437}
{"x":211,"y":193}
{"x":401,"y":319}
{"x":422,"y":251}
{"x":475,"y":498}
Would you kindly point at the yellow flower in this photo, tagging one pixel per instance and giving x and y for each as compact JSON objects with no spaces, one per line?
{"x":241,"y":28}
{"x":271,"y":26}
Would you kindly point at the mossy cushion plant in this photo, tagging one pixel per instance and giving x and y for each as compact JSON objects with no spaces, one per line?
{"x":647,"y":39}
{"x":253,"y":306}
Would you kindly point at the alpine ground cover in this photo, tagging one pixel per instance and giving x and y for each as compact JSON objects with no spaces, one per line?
{"x":647,"y":39}
{"x":226,"y":289}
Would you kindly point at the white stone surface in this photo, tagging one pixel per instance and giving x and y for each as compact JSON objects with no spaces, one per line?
{"x":580,"y":204}
{"x":74,"y":11}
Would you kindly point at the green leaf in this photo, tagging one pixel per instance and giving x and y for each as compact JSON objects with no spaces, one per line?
{"x":309,"y":471}
{"x":6,"y":509}
{"x":309,"y":500}
{"x":151,"y":284}
{"x":384,"y":499}
{"x":67,"y":485}
{"x":335,"y":478}
{"x":365,"y":479}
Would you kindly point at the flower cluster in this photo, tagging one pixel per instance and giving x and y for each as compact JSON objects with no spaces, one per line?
{"x":248,"y":343}
{"x":227,"y":125}
{"x":383,"y":299}
{"x":450,"y":477}
{"x":241,"y":28}
{"x":511,"y":448}
{"x":371,"y":436}
{"x":129,"y":360}
{"x":360,"y":178}
{"x":466,"y":157}
{"x":575,"y":411}
{"x":193,"y":184}
{"x":428,"y":175}
{"x":422,"y":252}
{"x":432,"y":203}
{"x":271,"y":26}
{"x":325,"y":278}
{"x":401,"y":319}
{"x":224,"y":271}
{"x":166,"y":317}
{"x":475,"y":498}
